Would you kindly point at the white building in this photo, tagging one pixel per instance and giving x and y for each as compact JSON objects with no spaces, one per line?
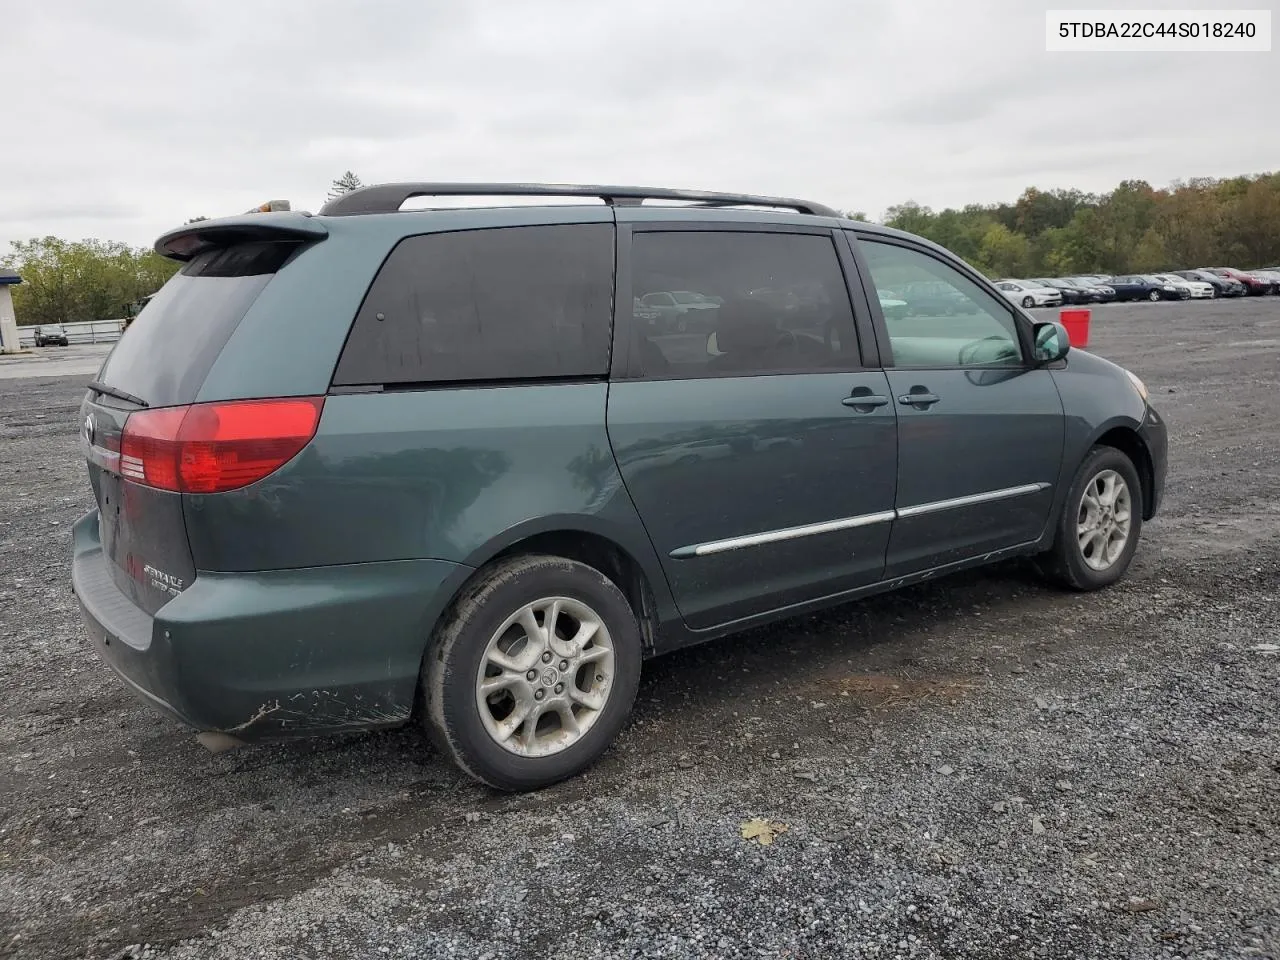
{"x":8,"y":323}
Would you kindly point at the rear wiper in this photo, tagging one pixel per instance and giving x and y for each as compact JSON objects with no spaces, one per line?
{"x":97,"y":386}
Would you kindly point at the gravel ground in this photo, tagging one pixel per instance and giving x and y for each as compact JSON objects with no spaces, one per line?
{"x":979,"y":767}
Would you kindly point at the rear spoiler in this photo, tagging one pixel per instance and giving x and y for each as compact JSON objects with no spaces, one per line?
{"x":194,"y":238}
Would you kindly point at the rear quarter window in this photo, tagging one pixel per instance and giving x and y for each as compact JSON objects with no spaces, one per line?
{"x":510,"y":303}
{"x":168,"y":350}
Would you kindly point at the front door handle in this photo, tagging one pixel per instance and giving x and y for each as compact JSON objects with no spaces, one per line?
{"x":921,"y":401}
{"x":868,"y":400}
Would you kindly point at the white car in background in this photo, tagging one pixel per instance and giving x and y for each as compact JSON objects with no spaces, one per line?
{"x":1028,"y":294}
{"x":1199,"y":289}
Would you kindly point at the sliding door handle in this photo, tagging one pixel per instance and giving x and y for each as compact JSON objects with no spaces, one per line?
{"x":868,"y":400}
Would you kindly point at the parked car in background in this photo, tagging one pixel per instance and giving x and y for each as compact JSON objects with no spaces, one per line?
{"x":1198,"y":289}
{"x":1266,"y":273}
{"x":1071,"y":294}
{"x":1028,"y":293}
{"x":1096,"y":292}
{"x":51,"y":333}
{"x":1222,"y":286}
{"x":928,"y":298}
{"x":682,"y":310}
{"x":485,"y":528}
{"x":1103,"y":291}
{"x":1140,"y":287}
{"x":1255,"y":286}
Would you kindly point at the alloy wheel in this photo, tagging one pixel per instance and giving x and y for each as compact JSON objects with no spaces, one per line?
{"x":545,"y":677}
{"x":1104,"y":520}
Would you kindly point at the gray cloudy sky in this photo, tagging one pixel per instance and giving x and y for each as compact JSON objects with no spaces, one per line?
{"x":124,"y":118}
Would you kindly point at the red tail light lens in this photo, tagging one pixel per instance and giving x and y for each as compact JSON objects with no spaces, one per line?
{"x":215,"y":447}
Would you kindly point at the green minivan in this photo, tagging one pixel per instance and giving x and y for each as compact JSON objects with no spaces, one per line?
{"x":377,"y":465}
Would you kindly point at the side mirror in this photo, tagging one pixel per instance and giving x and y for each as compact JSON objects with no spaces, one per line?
{"x":1052,"y":341}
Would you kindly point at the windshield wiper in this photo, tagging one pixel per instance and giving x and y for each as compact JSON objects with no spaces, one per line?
{"x":99,"y":387}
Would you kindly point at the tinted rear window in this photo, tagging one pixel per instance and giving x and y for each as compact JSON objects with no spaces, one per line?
{"x":169,"y":349}
{"x":511,"y":303}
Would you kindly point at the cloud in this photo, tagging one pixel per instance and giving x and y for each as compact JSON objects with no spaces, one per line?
{"x":124,"y":119}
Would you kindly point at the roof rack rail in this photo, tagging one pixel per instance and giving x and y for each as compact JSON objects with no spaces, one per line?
{"x":389,"y":197}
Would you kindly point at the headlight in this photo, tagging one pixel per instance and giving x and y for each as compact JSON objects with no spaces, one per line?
{"x":1137,"y":384}
{"x":1170,"y":288}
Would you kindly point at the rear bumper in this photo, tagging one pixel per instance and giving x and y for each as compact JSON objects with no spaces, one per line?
{"x":270,"y":654}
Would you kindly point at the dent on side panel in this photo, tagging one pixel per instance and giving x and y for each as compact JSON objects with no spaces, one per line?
{"x":418,"y":474}
{"x":319,"y":649}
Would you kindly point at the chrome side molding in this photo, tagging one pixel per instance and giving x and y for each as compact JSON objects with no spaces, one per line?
{"x":846,"y":523}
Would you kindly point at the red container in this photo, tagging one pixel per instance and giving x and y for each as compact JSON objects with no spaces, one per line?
{"x":1077,"y":324}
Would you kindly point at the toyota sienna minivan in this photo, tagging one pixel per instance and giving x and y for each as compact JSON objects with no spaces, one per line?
{"x":380,"y":466}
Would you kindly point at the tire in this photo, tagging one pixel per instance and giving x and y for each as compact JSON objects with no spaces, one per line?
{"x":1028,"y":303}
{"x":1066,"y":562}
{"x":1153,"y":296}
{"x":482,"y":623}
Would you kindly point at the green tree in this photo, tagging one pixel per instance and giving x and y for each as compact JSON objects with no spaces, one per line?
{"x":344,"y":184}
{"x":1003,"y":252}
{"x":909,"y":216}
{"x":64,"y":282}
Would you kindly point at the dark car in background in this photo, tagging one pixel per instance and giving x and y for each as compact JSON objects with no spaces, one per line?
{"x":1255,"y":286}
{"x":1222,"y":286}
{"x":51,"y":333}
{"x":1071,"y":294}
{"x":1094,"y":291}
{"x":1104,"y":292}
{"x":484,"y":493}
{"x":1141,"y":287}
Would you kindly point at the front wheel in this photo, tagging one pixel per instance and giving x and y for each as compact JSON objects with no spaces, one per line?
{"x":1153,"y":296}
{"x":1099,"y":525}
{"x":1028,"y":303}
{"x":533,"y":672}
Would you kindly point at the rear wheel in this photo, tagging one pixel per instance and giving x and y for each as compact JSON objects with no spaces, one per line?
{"x":533,"y":672}
{"x":1099,"y":525}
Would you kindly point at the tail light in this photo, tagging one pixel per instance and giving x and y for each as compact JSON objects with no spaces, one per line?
{"x":215,"y":447}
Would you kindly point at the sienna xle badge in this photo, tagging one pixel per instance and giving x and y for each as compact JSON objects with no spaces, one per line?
{"x":486,"y":461}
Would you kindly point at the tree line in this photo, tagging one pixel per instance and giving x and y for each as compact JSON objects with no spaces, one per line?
{"x":1133,"y":229}
{"x":66,"y":281}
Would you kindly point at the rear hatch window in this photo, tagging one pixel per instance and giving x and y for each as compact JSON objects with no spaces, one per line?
{"x":169,"y":349}
{"x":162,"y":361}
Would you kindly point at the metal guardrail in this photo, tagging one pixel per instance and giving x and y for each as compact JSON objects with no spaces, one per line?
{"x":88,"y":331}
